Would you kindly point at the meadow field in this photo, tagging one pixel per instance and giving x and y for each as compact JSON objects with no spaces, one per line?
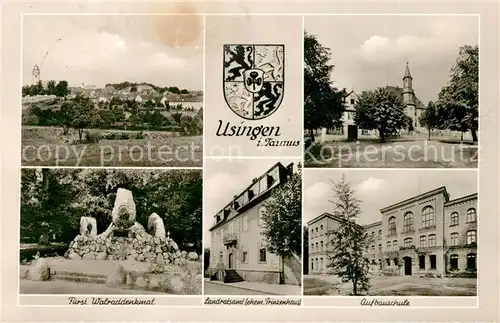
{"x":50,"y":146}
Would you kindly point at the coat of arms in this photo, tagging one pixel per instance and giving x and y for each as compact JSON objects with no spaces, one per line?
{"x":254,"y":79}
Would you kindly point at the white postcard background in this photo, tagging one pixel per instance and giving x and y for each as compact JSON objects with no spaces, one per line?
{"x":252,"y":29}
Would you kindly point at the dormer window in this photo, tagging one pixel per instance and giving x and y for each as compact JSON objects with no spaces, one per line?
{"x":236,"y":205}
{"x":251,"y":194}
{"x":270,"y":181}
{"x":226,"y":213}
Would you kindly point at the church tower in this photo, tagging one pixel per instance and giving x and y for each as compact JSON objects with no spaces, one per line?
{"x":409,"y":95}
{"x":35,"y":74}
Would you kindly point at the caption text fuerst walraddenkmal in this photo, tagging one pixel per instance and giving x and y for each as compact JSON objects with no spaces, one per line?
{"x":248,"y":301}
{"x":109,"y":301}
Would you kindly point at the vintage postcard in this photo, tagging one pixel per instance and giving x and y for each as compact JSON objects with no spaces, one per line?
{"x":250,"y":161}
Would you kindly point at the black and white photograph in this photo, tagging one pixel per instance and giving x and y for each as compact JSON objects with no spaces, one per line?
{"x":391,"y":91}
{"x":390,"y":233}
{"x":252,"y":227}
{"x":109,"y":231}
{"x":112,"y":90}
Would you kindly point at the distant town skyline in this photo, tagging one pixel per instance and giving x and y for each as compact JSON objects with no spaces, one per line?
{"x":98,"y":50}
{"x":372,"y":51}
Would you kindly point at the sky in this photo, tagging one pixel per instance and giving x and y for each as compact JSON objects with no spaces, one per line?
{"x":225,"y":178}
{"x":95,"y":50}
{"x":380,"y":188}
{"x":372,"y":51}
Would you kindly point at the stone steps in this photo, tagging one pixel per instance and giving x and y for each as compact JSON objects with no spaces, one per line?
{"x":80,"y":279}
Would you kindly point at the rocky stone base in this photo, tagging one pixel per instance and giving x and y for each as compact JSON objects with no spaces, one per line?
{"x":140,"y":248}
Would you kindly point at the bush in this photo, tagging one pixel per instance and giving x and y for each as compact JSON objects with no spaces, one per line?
{"x":92,"y":136}
{"x":140,"y":135}
{"x":44,"y":251}
{"x":124,"y":136}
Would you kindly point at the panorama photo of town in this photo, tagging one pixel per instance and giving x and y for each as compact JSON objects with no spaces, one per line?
{"x":111,"y":91}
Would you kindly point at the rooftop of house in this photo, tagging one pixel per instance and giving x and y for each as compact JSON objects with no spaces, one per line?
{"x":462,"y":199}
{"x":249,"y":197}
{"x":437,"y":191}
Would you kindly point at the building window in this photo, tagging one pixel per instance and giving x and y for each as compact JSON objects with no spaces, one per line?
{"x":316,"y":263}
{"x":244,"y":257}
{"x":245,"y":222}
{"x":471,"y":237}
{"x":454,"y":262}
{"x":221,"y":255}
{"x":321,"y":245}
{"x":388,"y":262}
{"x":432,"y":240}
{"x":316,"y":230}
{"x":408,"y":222}
{"x":428,"y":219}
{"x":454,"y":239}
{"x":422,"y":242}
{"x":380,"y":234}
{"x":380,"y":248}
{"x":352,"y":101}
{"x":432,"y":258}
{"x":312,"y":264}
{"x":321,"y":264}
{"x":454,"y":219}
{"x":262,"y":212}
{"x":395,"y":262}
{"x":408,"y":242}
{"x":395,"y":245}
{"x":471,"y":215}
{"x":421,"y":261}
{"x":392,"y":225}
{"x":471,"y":261}
{"x":388,"y":246}
{"x":321,"y":227}
{"x":262,"y":255}
{"x":373,"y":247}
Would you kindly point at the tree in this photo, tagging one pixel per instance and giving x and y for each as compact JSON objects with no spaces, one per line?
{"x":305,"y":256}
{"x":381,"y":110}
{"x":323,"y":104}
{"x":80,"y":113}
{"x":461,"y":93}
{"x":174,"y":89}
{"x":184,"y":91}
{"x":350,"y":242}
{"x":61,"y":89}
{"x":51,"y":87}
{"x":281,"y":221}
{"x":429,"y":118}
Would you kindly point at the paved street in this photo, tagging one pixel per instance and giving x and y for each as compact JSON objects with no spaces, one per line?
{"x":393,"y":286}
{"x":227,"y":289}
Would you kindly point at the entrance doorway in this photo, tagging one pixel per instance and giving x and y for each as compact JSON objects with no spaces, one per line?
{"x":231,"y":261}
{"x":407,"y":261}
{"x":352,"y":132}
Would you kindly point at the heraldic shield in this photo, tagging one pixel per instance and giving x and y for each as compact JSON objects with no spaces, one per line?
{"x":254,"y":79}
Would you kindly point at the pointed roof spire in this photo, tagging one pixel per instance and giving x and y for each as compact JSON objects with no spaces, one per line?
{"x":407,"y":71}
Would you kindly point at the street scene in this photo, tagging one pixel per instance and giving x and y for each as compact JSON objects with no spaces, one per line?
{"x":252,"y":224}
{"x":111,"y":91}
{"x":393,"y":233}
{"x":402,"y":92}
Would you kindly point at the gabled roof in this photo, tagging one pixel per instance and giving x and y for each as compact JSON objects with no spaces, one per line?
{"x":440,"y":190}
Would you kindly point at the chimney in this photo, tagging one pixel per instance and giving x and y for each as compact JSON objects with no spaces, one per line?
{"x":289,"y":168}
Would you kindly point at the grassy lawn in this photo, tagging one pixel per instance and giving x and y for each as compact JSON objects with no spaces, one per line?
{"x":318,"y":286}
{"x":46,"y":147}
{"x":401,"y":153}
